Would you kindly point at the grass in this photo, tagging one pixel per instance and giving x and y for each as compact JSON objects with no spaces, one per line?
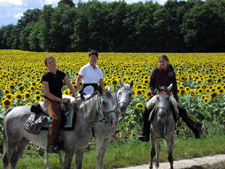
{"x":133,"y":152}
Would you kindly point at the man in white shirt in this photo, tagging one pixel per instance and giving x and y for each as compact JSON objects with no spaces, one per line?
{"x":90,"y":74}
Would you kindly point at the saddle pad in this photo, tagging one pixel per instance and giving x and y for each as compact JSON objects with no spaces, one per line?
{"x":70,"y":120}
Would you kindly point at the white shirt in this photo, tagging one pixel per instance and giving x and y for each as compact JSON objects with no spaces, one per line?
{"x":91,"y":75}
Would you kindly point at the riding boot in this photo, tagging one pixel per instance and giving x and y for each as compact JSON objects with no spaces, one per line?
{"x":146,"y":128}
{"x":194,"y":126}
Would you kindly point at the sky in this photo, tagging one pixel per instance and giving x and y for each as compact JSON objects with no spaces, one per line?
{"x":12,"y":10}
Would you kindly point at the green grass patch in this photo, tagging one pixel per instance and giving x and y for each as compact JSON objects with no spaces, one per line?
{"x":133,"y":152}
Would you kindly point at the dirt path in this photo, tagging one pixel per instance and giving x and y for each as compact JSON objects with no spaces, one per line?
{"x":186,"y":163}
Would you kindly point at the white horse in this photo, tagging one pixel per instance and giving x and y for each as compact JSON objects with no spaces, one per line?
{"x":16,"y":138}
{"x":104,"y":132}
{"x":162,"y":126}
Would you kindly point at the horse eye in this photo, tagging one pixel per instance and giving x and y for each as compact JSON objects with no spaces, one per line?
{"x":119,"y":93}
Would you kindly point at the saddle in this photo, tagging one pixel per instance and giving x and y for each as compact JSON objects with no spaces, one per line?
{"x":39,"y":116}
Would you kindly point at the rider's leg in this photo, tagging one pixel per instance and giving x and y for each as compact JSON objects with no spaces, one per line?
{"x":55,"y":116}
{"x":146,"y":127}
{"x":194,"y":126}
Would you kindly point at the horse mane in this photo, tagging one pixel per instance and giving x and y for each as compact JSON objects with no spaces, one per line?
{"x":8,"y":110}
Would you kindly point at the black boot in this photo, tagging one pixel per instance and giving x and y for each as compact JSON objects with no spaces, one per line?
{"x":194,"y":126}
{"x":146,"y":128}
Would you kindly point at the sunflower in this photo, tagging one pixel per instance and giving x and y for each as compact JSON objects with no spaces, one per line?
{"x":18,"y":96}
{"x":139,"y":92}
{"x":181,"y":87}
{"x":7,"y":103}
{"x":209,"y":80}
{"x":6,"y":91}
{"x":206,"y":100}
{"x":12,"y":87}
{"x":29,"y":103}
{"x":21,"y":88}
{"x":140,"y":105}
{"x":193,"y":93}
{"x":114,"y":82}
{"x":203,"y":97}
{"x":148,"y":94}
{"x":187,"y":89}
{"x":207,"y":90}
{"x":200,"y":90}
{"x":37,"y":92}
{"x":133,"y":93}
{"x":9,"y":96}
{"x":27,"y":95}
{"x":37,"y":98}
{"x":32,"y":88}
{"x":139,"y":86}
{"x":136,"y":110}
{"x":213,"y":95}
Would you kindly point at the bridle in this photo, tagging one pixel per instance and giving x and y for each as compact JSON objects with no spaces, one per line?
{"x":160,"y":107}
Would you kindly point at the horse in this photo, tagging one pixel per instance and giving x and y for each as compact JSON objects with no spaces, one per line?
{"x":104,"y":132}
{"x":162,"y":125}
{"x":16,"y":138}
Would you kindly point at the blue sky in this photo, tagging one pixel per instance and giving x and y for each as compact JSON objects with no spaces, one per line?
{"x":12,"y":10}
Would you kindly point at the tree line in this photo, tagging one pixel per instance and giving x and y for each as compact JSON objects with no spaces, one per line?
{"x":176,"y":26}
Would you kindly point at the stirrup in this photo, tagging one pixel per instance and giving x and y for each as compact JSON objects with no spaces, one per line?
{"x":143,"y":138}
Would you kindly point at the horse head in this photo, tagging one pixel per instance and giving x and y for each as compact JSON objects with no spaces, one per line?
{"x":107,"y":105}
{"x":163,"y":102}
{"x":123,"y":95}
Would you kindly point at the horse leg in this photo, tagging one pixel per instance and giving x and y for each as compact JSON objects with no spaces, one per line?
{"x":158,"y":148}
{"x":46,"y":160}
{"x":101,"y":145}
{"x":8,"y":155}
{"x":170,"y":147}
{"x":153,"y":152}
{"x":79,"y":158}
{"x":60,"y":157}
{"x":20,"y":149}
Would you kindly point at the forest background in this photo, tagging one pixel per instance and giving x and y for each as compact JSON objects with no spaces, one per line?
{"x":176,"y":26}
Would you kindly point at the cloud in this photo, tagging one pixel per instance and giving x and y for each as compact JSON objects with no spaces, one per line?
{"x":11,"y":2}
{"x":18,"y":16}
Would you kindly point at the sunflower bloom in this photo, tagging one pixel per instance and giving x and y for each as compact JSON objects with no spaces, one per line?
{"x":27,"y":95}
{"x":18,"y":97}
{"x":7,"y":103}
{"x":114,"y":82}
{"x":206,"y":100}
{"x":37,"y":98}
{"x":213,"y":95}
{"x":140,"y":105}
{"x":139,"y":92}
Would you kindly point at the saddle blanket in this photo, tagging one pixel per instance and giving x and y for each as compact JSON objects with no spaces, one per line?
{"x":70,"y":121}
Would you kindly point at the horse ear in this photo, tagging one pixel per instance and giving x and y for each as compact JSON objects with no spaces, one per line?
{"x":131,"y":84}
{"x":100,"y":89}
{"x":121,"y":83}
{"x":158,"y":87}
{"x":170,"y":87}
{"x":109,"y":89}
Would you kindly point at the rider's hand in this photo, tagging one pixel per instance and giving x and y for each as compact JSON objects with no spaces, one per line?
{"x":77,"y":101}
{"x":65,"y":100}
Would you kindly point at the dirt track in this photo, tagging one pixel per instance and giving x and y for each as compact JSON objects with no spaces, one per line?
{"x":186,"y":163}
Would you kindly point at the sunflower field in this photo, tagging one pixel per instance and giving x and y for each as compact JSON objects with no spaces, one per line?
{"x":200,"y":78}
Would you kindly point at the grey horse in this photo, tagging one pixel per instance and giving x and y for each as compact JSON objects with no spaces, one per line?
{"x":104,"y":132}
{"x":16,"y":138}
{"x":162,"y":126}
